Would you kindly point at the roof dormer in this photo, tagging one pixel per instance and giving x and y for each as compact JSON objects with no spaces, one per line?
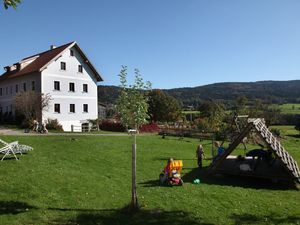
{"x":10,"y":68}
{"x":7,"y":68}
{"x":18,"y":66}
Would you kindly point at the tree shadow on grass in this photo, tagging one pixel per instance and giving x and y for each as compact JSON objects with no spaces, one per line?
{"x":150,"y":183}
{"x":155,"y":183}
{"x":125,"y":217}
{"x":236,"y":181}
{"x":268,"y":219}
{"x":14,"y":207}
{"x":10,"y":158}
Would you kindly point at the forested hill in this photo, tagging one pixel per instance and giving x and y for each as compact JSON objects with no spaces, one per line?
{"x":271,"y":91}
{"x":108,"y":94}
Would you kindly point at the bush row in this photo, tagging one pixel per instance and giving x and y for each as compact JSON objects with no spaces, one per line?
{"x":149,"y":128}
{"x":110,"y":125}
{"x":116,"y":126}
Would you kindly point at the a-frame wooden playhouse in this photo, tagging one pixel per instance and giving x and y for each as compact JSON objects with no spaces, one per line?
{"x":283,"y":167}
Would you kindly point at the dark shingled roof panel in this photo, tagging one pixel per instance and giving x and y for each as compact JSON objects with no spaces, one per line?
{"x":43,"y":59}
{"x":35,"y":66}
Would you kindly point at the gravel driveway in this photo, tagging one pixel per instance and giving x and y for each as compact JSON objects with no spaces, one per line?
{"x":9,"y":131}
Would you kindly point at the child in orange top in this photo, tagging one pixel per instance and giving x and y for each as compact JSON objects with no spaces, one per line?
{"x":167,"y":169}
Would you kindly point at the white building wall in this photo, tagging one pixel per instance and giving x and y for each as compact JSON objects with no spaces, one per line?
{"x":9,"y":89}
{"x":64,"y":97}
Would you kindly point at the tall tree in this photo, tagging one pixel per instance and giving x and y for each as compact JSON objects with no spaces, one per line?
{"x":11,"y":3}
{"x":271,"y":113}
{"x":256,"y":110}
{"x":163,"y":107}
{"x":214,"y":112}
{"x":240,"y":105}
{"x":132,"y":105}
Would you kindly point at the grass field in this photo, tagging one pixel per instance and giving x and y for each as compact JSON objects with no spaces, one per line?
{"x":290,"y":108}
{"x":86,"y":180}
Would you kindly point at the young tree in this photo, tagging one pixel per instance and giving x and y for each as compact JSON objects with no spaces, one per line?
{"x":31,"y":104}
{"x":11,"y":3}
{"x":132,"y":105}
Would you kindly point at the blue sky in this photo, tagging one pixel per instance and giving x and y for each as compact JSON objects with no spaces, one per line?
{"x":174,"y":43}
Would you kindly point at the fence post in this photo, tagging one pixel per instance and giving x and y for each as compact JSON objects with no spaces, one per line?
{"x":72,"y":128}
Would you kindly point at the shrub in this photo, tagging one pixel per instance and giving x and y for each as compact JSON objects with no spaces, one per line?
{"x":53,"y":125}
{"x":219,"y":135}
{"x":111,"y":125}
{"x":95,"y":122}
{"x":149,"y":128}
{"x":202,"y":124}
{"x":27,"y":123}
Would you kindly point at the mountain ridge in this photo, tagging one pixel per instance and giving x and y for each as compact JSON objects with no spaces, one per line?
{"x":268,"y":90}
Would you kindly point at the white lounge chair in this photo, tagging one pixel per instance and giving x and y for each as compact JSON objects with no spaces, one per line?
{"x":13,"y":148}
{"x":7,"y":150}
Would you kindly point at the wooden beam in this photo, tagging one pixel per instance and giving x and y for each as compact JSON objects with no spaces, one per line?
{"x":232,"y":146}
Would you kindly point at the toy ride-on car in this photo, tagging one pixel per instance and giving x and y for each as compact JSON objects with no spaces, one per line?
{"x":172,"y":176}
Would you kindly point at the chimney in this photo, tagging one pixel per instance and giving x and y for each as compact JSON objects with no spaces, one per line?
{"x":52,"y":47}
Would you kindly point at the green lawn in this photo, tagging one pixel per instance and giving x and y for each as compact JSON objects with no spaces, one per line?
{"x":87,"y":180}
{"x":191,"y":112}
{"x":288,"y":131}
{"x":290,"y":108}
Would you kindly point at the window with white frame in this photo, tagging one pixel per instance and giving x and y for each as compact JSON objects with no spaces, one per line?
{"x":85,"y":108}
{"x":85,"y":88}
{"x":57,"y":108}
{"x":80,"y":69}
{"x":72,"y":108}
{"x":63,"y":66}
{"x":56,"y":85}
{"x":72,"y":87}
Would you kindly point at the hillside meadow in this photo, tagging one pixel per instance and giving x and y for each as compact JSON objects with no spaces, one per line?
{"x":290,"y":108}
{"x":87,"y":180}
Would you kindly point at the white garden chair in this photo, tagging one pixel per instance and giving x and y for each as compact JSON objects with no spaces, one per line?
{"x":8,"y":149}
{"x":13,"y":148}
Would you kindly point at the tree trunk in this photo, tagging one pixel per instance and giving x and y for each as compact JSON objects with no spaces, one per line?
{"x":134,"y":199}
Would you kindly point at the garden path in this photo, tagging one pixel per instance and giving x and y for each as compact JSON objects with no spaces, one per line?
{"x":10,"y":131}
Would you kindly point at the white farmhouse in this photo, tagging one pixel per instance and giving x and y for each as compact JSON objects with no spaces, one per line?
{"x":65,"y":73}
